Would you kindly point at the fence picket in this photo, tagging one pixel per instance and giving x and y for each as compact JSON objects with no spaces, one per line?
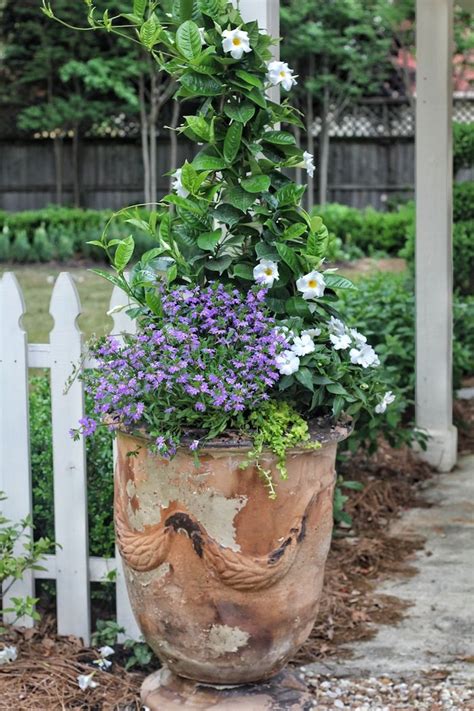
{"x":15,"y":470}
{"x":125,"y":616}
{"x":69,"y":461}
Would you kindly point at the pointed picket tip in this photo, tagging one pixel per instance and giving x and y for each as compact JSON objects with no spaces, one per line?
{"x":12,"y":303}
{"x":65,"y":305}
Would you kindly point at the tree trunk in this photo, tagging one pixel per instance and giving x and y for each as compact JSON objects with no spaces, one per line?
{"x":324,"y":149}
{"x":76,"y":166}
{"x":309,"y":130}
{"x":174,"y":139}
{"x":58,"y":168}
{"x":152,"y":121}
{"x":144,"y":140}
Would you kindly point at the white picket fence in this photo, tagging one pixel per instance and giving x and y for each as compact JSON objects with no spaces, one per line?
{"x":71,"y":566}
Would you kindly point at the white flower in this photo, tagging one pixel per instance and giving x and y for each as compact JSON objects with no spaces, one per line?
{"x":311,"y":285}
{"x":364,"y":356}
{"x":387,"y":399}
{"x":308,"y":163}
{"x":280,"y":73}
{"x":115,"y":309}
{"x":201,"y":34}
{"x":177,"y":185}
{"x":8,"y":654}
{"x":266,"y":272}
{"x":287,"y":362}
{"x":86,"y":681}
{"x":311,"y":332}
{"x":336,"y":326}
{"x":102,"y":663}
{"x":302,"y":345}
{"x":236,"y":42}
{"x":359,"y":338}
{"x":106,"y":651}
{"x":340,"y":342}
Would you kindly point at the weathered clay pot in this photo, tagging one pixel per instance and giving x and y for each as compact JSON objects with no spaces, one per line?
{"x":224,"y":582}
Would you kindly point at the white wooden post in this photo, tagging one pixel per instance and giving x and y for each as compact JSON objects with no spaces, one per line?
{"x":69,"y":463}
{"x":125,"y":616}
{"x":434,"y":35}
{"x":15,"y":471}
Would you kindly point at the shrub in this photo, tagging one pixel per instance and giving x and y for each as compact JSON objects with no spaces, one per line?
{"x":21,"y":250}
{"x":99,"y":473}
{"x":463,"y":201}
{"x":463,"y":145}
{"x":463,"y":255}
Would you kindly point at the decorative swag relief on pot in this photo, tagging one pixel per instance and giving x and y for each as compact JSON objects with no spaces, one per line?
{"x":224,"y":581}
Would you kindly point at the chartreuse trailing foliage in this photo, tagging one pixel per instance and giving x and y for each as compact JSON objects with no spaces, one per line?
{"x":234,"y":303}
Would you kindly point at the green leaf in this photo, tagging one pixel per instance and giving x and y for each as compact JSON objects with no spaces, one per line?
{"x":303,"y":376}
{"x":354,"y":485}
{"x":206,"y":162}
{"x":266,"y":251}
{"x":211,"y":8}
{"x":322,"y":380}
{"x":209,"y":240}
{"x":232,"y":141}
{"x":294,"y":231}
{"x":337,"y":405}
{"x":172,"y":273}
{"x":279,"y":138}
{"x":183,"y":203}
{"x":297,"y":306}
{"x":242,"y":112}
{"x":108,"y":276}
{"x":227,"y":214}
{"x":220,"y":264}
{"x":249,"y":78}
{"x":188,"y":40}
{"x":199,"y":126}
{"x":201,"y":84}
{"x":289,"y":257}
{"x":123,"y":253}
{"x":153,"y":302}
{"x":237,"y":197}
{"x":150,"y":32}
{"x":338,"y":282}
{"x":257,"y":97}
{"x":256,"y":184}
{"x":244,"y":271}
{"x":189,"y":177}
{"x":139,"y":7}
{"x":336,"y":389}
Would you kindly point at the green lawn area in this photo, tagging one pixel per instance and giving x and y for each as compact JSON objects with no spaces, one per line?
{"x":36,"y":281}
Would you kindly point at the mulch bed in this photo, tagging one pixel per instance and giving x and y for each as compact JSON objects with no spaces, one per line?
{"x":45,"y":673}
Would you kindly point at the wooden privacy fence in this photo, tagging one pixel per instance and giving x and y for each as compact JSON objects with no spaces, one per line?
{"x":71,"y":566}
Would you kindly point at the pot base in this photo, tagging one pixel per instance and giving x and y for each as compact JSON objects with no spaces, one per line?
{"x":163,"y":691}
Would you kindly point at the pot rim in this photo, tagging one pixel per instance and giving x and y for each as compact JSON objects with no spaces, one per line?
{"x":321,"y":429}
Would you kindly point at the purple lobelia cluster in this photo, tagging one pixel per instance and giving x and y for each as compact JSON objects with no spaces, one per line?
{"x":209,"y":359}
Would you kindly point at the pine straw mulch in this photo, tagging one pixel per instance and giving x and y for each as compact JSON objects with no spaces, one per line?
{"x":45,"y":674}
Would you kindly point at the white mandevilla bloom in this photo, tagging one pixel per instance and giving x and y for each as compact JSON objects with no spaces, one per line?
{"x":177,"y":185}
{"x":311,"y":332}
{"x":336,"y":326}
{"x":308,"y":163}
{"x":312,"y":285}
{"x":106,"y":651}
{"x":102,"y":663}
{"x":340,"y":342}
{"x":236,"y":42}
{"x":387,"y":399}
{"x":86,"y":681}
{"x":364,"y":356}
{"x":359,"y":338}
{"x":8,"y":654}
{"x":302,"y":345}
{"x":287,"y":362}
{"x":266,"y":272}
{"x":280,"y":73}
{"x":201,"y":34}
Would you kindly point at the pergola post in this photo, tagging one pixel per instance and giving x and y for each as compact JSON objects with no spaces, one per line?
{"x":434,"y":176}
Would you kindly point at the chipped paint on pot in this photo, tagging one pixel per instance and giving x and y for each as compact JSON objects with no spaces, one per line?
{"x":224,"y":582}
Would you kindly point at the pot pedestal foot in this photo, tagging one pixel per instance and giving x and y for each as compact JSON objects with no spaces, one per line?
{"x":163,"y":691}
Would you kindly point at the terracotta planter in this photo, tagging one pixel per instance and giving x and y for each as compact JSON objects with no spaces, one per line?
{"x":223,"y":581}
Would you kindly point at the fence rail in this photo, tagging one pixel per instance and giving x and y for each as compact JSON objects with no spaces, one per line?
{"x":71,"y":566}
